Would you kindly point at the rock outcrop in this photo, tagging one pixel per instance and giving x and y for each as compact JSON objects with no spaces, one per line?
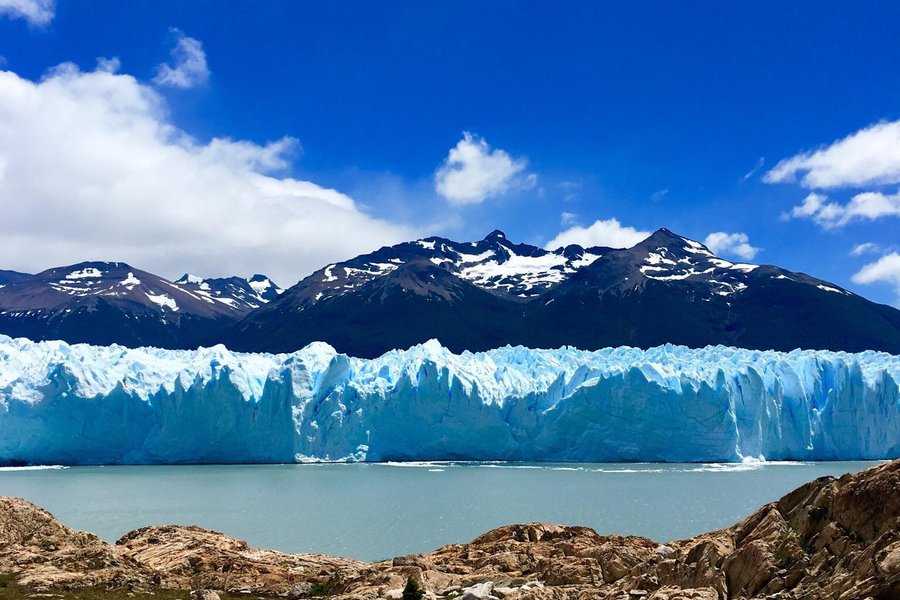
{"x":831,"y":538}
{"x":43,"y":553}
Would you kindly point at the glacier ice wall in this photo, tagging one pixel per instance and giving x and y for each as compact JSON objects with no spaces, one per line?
{"x":80,"y":404}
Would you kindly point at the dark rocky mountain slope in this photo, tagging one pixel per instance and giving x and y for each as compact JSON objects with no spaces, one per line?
{"x":469,"y":295}
{"x":475,"y":296}
{"x":106,"y":303}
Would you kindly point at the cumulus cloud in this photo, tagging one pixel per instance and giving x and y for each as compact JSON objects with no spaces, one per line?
{"x":731,"y":244}
{"x":867,"y":206}
{"x":870,"y":156}
{"x":864,"y":248}
{"x":473,"y":172}
{"x":91,"y":168}
{"x":885,"y":270}
{"x":36,"y":12}
{"x":188,"y":68}
{"x":608,"y":233}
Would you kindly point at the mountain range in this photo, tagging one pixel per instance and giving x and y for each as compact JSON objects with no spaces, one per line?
{"x":113,"y":303}
{"x":470,"y":295}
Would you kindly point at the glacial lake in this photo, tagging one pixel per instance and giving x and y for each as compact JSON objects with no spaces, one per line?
{"x":375,"y":511}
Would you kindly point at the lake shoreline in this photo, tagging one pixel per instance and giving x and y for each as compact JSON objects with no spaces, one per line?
{"x":366,"y":510}
{"x":829,"y":537}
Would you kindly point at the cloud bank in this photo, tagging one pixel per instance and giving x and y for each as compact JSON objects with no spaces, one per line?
{"x":91,"y":168}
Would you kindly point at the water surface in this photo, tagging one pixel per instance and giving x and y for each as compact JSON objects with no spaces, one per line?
{"x":374,"y":511}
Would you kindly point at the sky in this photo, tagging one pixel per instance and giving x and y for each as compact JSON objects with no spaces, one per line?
{"x":230,"y":138}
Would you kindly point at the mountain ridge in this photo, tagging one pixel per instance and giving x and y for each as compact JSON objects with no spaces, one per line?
{"x":112,"y":302}
{"x":470,"y":295}
{"x":478,"y":295}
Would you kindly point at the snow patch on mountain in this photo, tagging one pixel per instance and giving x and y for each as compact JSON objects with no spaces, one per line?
{"x":130,"y":281}
{"x":163,"y":301}
{"x":494,"y":264}
{"x":522,"y":274}
{"x":688,"y":259}
{"x":236,"y":293}
{"x":89,"y":272}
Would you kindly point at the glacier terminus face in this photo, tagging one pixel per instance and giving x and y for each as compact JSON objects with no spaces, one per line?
{"x":81,"y":404}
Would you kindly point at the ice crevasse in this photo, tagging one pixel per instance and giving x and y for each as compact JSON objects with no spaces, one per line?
{"x":81,"y":404}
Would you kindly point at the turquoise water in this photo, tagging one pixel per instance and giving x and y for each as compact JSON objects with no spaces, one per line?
{"x":374,"y":511}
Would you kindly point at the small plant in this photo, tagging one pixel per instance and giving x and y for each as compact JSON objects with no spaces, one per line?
{"x":783,"y":558}
{"x":412,"y":591}
{"x":319,"y":589}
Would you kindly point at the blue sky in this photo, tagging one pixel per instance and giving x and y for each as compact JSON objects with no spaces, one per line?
{"x":361,"y":124}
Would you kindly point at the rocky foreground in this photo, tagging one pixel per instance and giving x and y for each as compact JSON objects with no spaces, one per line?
{"x":831,"y":538}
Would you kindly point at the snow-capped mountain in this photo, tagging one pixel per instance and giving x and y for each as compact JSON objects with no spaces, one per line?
{"x":235,"y":292}
{"x":469,"y":295}
{"x":112,"y":302}
{"x":493,"y":264}
{"x":480,"y":295}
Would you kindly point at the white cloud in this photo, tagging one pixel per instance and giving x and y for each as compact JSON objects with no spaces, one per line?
{"x":732,"y":244}
{"x":189,"y":68}
{"x":864,"y":248}
{"x":91,"y":168}
{"x":473,"y":172}
{"x":36,"y":12}
{"x":571,"y":190}
{"x":609,"y":233}
{"x":885,"y":270}
{"x":759,"y":165}
{"x":568,"y":218}
{"x":871,"y":156}
{"x":867,"y":206}
{"x":658,"y":195}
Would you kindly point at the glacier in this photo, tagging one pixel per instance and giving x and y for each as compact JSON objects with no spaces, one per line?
{"x":80,"y":404}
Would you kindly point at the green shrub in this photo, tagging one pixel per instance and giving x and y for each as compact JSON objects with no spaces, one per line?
{"x":412,"y":591}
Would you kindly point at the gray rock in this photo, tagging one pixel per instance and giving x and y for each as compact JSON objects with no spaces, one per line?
{"x":664,"y":550}
{"x":413,"y":560}
{"x":204,"y":595}
{"x":479,"y":591}
{"x":300,"y":590}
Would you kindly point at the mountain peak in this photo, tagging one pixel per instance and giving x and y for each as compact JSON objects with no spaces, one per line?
{"x":188,"y":278}
{"x":664,"y":236}
{"x":495,"y":235}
